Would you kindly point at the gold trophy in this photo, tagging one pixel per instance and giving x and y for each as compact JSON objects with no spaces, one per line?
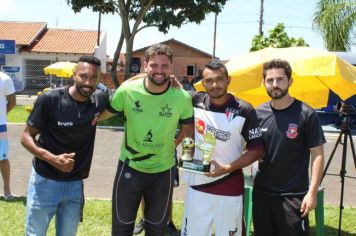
{"x":199,"y":166}
{"x":187,"y":144}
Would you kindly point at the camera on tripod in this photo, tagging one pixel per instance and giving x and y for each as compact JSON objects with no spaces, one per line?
{"x":344,"y":109}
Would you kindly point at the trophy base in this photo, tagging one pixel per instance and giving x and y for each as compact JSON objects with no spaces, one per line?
{"x":196,"y":167}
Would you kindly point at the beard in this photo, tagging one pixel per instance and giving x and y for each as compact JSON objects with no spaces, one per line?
{"x":83,"y":92}
{"x":158,"y":82}
{"x":216,"y":94}
{"x":273,"y":95}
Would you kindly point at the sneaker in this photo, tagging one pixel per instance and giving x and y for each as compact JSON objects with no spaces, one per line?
{"x":172,"y":230}
{"x":139,"y":227}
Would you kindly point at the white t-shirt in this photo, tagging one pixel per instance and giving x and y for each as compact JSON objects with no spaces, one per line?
{"x":6,"y":88}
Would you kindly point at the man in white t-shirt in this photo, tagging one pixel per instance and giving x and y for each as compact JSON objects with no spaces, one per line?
{"x":7,"y":102}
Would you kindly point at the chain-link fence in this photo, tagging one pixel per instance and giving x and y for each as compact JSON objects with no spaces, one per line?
{"x":37,"y":80}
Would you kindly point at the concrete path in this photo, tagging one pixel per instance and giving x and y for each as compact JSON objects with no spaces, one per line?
{"x":106,"y":152}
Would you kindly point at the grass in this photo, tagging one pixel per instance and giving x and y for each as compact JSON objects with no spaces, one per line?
{"x":19,"y":115}
{"x":97,"y":219}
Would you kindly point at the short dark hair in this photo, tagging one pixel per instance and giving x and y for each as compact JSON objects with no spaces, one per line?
{"x":216,"y":64}
{"x":278,"y":64}
{"x":159,"y":49}
{"x":91,"y":60}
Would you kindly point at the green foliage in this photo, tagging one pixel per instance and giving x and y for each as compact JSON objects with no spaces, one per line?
{"x":335,"y":20}
{"x":159,"y":13}
{"x":277,"y":38}
{"x":97,"y":218}
{"x":165,"y":14}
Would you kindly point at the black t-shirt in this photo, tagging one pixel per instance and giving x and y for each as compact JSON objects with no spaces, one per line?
{"x":62,"y":130}
{"x":288,"y":134}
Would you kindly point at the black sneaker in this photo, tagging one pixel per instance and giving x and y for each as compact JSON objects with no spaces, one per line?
{"x":172,"y":230}
{"x":139,"y":227}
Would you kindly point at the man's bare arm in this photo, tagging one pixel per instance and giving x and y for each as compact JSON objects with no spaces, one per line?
{"x":63,"y":162}
{"x":11,"y":102}
{"x":317,"y":158}
{"x":186,"y":130}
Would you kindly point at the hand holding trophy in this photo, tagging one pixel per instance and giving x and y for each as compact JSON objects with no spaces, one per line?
{"x":194,"y":165}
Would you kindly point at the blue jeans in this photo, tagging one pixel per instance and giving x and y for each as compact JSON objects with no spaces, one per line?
{"x":46,"y":198}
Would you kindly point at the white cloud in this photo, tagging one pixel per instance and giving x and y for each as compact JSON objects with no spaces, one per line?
{"x":7,"y":5}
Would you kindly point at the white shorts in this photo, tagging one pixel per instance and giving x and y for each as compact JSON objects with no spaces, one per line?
{"x":4,"y":146}
{"x":203,"y":210}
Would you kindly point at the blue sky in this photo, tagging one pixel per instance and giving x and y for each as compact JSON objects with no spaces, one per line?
{"x":237,"y":23}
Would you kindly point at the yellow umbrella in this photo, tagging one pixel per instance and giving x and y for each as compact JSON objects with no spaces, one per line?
{"x":64,"y":69}
{"x":314,"y":72}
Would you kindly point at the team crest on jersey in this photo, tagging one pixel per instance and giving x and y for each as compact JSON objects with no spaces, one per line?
{"x":200,"y":126}
{"x":292,"y":131}
{"x":137,"y":107}
{"x":231,"y":113}
{"x":166,"y":111}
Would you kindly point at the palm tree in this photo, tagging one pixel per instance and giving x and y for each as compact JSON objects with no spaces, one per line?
{"x":335,"y":20}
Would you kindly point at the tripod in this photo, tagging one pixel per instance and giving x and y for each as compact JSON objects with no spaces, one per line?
{"x":345,"y":133}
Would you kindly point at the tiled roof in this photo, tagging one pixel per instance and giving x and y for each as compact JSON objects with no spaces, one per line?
{"x":65,"y":41}
{"x":24,"y":33}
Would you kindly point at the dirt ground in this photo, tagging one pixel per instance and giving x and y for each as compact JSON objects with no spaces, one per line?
{"x":106,"y":152}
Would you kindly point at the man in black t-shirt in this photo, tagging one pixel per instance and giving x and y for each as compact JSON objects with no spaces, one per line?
{"x":283,"y":195}
{"x":65,"y":121}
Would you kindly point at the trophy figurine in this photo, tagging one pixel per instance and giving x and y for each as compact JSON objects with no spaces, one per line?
{"x":186,"y":161}
{"x":208,"y":148}
{"x":187,"y":145}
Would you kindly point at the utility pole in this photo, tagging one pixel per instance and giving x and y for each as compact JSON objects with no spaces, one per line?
{"x":260,"y":32}
{"x":214,"y":43}
{"x":99,"y":25}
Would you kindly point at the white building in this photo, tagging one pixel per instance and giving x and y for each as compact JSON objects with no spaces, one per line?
{"x":27,"y":47}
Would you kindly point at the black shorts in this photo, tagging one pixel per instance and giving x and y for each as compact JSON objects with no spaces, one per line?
{"x":278,"y":215}
{"x":130,"y":186}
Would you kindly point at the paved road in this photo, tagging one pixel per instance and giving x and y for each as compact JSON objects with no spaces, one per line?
{"x":99,"y":184}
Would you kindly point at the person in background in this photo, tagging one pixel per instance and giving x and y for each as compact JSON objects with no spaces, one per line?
{"x":216,"y":199}
{"x":7,"y":103}
{"x":283,"y":195}
{"x":152,"y":111}
{"x":60,"y":133}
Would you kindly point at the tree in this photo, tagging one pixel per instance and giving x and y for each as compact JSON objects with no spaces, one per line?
{"x":277,"y":38}
{"x":335,"y":20}
{"x":147,"y":13}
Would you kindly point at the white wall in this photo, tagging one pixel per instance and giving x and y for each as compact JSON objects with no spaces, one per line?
{"x":100,"y":52}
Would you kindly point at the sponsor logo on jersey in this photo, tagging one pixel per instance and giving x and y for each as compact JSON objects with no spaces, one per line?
{"x":64,"y":123}
{"x":254,"y":133}
{"x":200,"y":126}
{"x":166,"y":111}
{"x":231,"y":113}
{"x":219,"y":134}
{"x":137,"y":107}
{"x":292,"y":131}
{"x":148,"y":144}
{"x":148,"y":137}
